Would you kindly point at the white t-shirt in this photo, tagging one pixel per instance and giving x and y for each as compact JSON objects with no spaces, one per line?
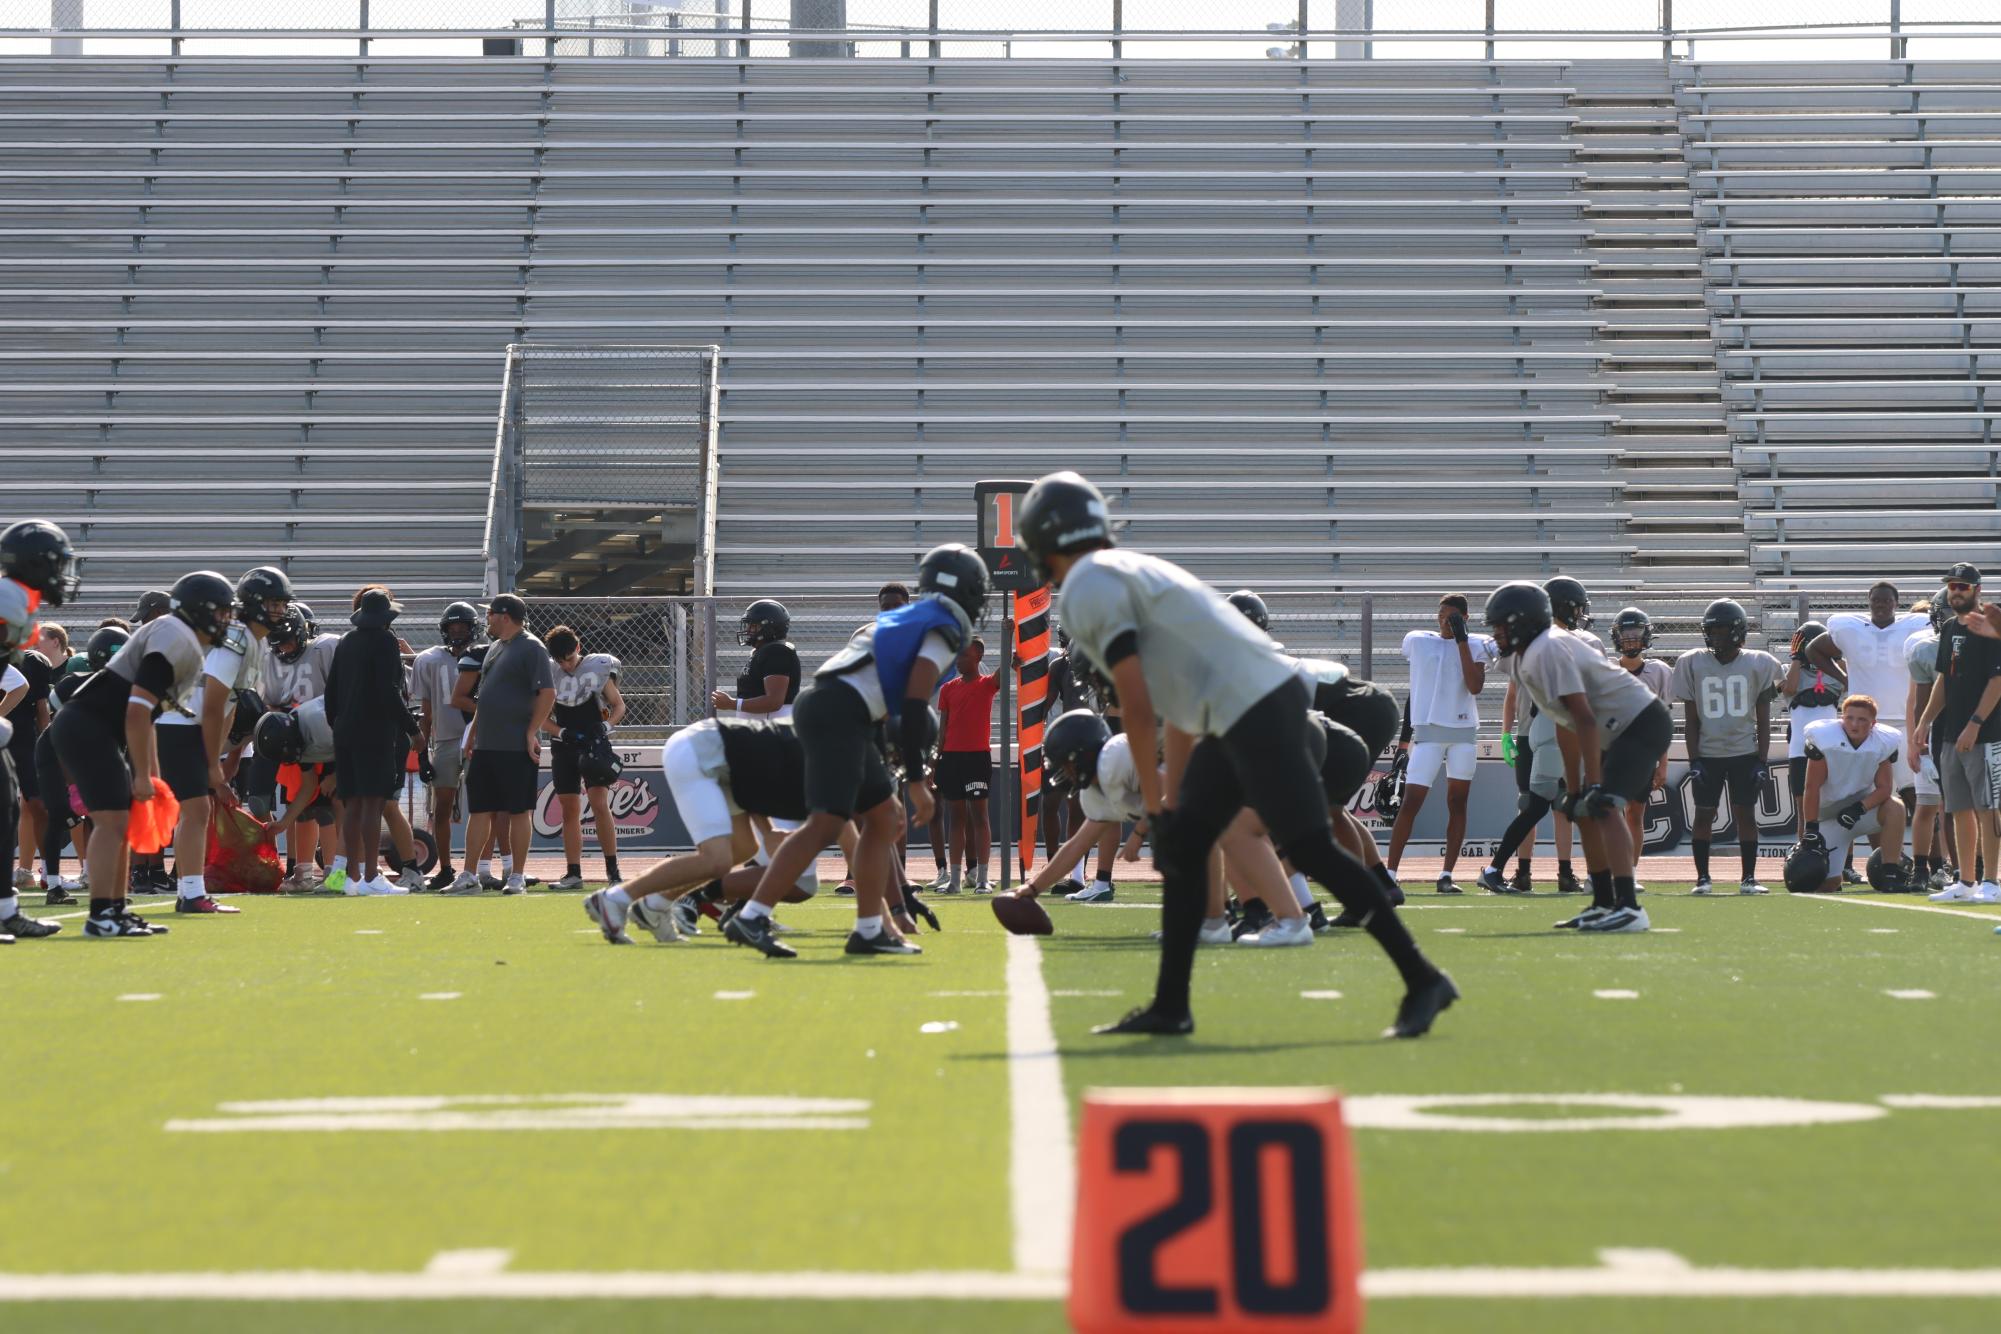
{"x":1438,"y":693}
{"x":228,"y":662}
{"x":11,"y":679}
{"x":1113,"y":795}
{"x":1875,"y":657}
{"x":1851,"y":769}
{"x":1559,"y":663}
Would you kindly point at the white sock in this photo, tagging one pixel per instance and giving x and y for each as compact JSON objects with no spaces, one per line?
{"x":10,"y":905}
{"x":617,"y":895}
{"x":1301,"y":890}
{"x":506,"y":867}
{"x":870,"y":927}
{"x":192,"y":887}
{"x":656,"y":902}
{"x":754,"y":910}
{"x":338,"y":864}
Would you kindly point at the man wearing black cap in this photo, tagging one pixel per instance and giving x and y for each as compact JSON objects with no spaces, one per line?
{"x":517,"y":693}
{"x":153,"y":604}
{"x":1962,"y":727}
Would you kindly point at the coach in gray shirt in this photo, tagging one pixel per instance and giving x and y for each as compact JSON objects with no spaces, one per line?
{"x":517,"y":691}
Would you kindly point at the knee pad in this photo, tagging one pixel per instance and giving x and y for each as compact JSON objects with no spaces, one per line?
{"x":1346,"y":766}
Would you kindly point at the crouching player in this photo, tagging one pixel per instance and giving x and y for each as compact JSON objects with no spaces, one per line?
{"x":1237,"y":734}
{"x":1850,"y":792}
{"x":1611,"y":730}
{"x":721,"y":771}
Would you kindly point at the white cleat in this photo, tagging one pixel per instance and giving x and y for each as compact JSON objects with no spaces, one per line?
{"x":516,"y":884}
{"x":1281,"y":933}
{"x":1215,"y":931}
{"x":1618,"y":921}
{"x":1752,"y":887}
{"x":609,"y":916}
{"x":381,"y":886}
{"x":1703,"y":887}
{"x":1098,"y":891}
{"x":656,"y":920}
{"x":467,"y":886}
{"x":1956,"y":892}
{"x":1583,"y":919}
{"x":1986,"y":892}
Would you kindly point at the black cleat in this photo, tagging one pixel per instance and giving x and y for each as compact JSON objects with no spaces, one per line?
{"x":1568,"y":883}
{"x":1256,"y":917}
{"x":1316,"y":917}
{"x":57,"y":897}
{"x":22,"y":927}
{"x":157,"y":928}
{"x":1522,"y":883}
{"x":880,"y":943}
{"x":920,"y":907}
{"x":1150,"y":1020}
{"x":1348,"y":918}
{"x":1422,"y":1005}
{"x":756,"y":933}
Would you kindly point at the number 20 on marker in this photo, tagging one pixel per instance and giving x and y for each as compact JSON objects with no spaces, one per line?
{"x":1208,"y":1210}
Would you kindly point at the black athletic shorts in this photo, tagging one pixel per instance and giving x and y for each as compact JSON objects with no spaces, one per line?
{"x":1364,"y":708}
{"x":94,"y":758}
{"x":845,"y":771}
{"x":183,"y":760}
{"x":50,"y":779}
{"x":500,"y":782}
{"x":1709,"y":777}
{"x":1270,"y":761}
{"x":1632,"y":759}
{"x":22,"y":747}
{"x":566,"y":767}
{"x":1524,"y":762}
{"x":964,"y":775}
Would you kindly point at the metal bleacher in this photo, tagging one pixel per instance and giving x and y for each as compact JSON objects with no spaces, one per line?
{"x":1851,"y":230}
{"x":1314,"y":324}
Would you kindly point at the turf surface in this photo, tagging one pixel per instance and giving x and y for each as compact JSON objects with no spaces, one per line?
{"x":1778,"y":997}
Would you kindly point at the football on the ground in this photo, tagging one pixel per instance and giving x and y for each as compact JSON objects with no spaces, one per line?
{"x":1022,"y":916}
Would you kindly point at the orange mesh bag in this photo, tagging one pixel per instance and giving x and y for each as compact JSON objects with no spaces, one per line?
{"x":242,"y":854}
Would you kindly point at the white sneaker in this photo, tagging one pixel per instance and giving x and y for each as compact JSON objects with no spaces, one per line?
{"x":1098,"y":891}
{"x":1703,"y":887}
{"x":1280,"y":933}
{"x":608,"y":915}
{"x":381,"y":886}
{"x":516,"y":884}
{"x":1617,"y":921}
{"x":939,"y":881}
{"x":26,"y":880}
{"x":982,"y":885}
{"x":1215,"y":932}
{"x":1986,"y":892}
{"x":568,"y":882}
{"x":466,"y":886}
{"x":1956,"y":892}
{"x":1752,"y":887}
{"x":660,"y":923}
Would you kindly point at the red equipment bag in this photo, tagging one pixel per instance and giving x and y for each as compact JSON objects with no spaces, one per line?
{"x":242,"y":854}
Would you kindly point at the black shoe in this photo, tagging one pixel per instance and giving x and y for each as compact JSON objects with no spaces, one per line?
{"x":22,"y":927}
{"x":920,"y":907}
{"x":880,"y":943}
{"x":1568,"y":883}
{"x":756,"y":933}
{"x":1150,"y":1020}
{"x":730,"y":910}
{"x":442,"y":880}
{"x":1522,"y":884}
{"x":845,"y":887}
{"x":1255,"y":918}
{"x":1420,"y":1006}
{"x":1348,"y":918}
{"x":1316,"y":917}
{"x":57,"y":897}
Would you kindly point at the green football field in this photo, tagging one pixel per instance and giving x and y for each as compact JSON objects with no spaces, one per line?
{"x":448,"y":1114}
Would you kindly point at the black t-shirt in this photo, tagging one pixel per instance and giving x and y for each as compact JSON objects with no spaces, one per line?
{"x":1967,"y":662}
{"x":767,"y":767}
{"x":68,"y":686}
{"x":776,"y":659}
{"x":26,"y":716}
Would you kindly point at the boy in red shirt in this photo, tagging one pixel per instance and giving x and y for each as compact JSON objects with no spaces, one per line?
{"x":966,"y":765}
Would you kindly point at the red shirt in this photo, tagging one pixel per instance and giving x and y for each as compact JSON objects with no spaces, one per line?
{"x":968,"y":707}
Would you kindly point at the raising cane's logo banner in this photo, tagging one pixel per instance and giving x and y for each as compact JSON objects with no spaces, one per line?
{"x":641,"y":808}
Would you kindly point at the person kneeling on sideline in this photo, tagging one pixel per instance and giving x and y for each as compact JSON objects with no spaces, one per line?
{"x":1851,"y":788}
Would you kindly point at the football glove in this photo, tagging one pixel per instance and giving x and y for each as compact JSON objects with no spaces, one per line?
{"x":425,"y":769}
{"x":1759,"y":773}
{"x":1457,"y":624}
{"x":1812,"y":838}
{"x":1851,"y":815}
{"x":1593,"y":803}
{"x":1508,"y":748}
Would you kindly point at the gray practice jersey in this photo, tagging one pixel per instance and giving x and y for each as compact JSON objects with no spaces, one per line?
{"x":1205,"y":664}
{"x":171,"y":638}
{"x":1558,"y":662}
{"x":1726,"y":697}
{"x":434,"y":675}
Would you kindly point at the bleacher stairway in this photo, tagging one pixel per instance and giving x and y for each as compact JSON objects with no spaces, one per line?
{"x":1386,"y":325}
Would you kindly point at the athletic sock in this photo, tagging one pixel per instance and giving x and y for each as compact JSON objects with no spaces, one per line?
{"x":1747,"y":857}
{"x":1521,"y":868}
{"x":506,"y":867}
{"x":1626,"y":891}
{"x":574,"y":871}
{"x":103,"y":907}
{"x":292,"y":864}
{"x":652,"y":902}
{"x":1302,"y":889}
{"x":1563,"y":867}
{"x":1601,"y":890}
{"x":1385,"y":877}
{"x":869,"y":927}
{"x":10,"y":905}
{"x":611,"y":868}
{"x":1104,"y":875}
{"x":753,"y":910}
{"x":1358,"y":890}
{"x":1700,"y":847}
{"x":193,"y":887}
{"x":339,"y":864}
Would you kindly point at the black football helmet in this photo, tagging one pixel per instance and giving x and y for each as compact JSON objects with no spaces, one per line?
{"x":1070,"y":749}
{"x":764,"y":621}
{"x":1569,"y":603}
{"x":306,"y":618}
{"x":1890,"y":877}
{"x":1516,"y":614}
{"x":280,"y":736}
{"x":103,"y":646}
{"x":1725,"y":626}
{"x":263,"y":585}
{"x":36,"y":554}
{"x":1803,"y":634}
{"x":1253,"y":607}
{"x":458,"y":626}
{"x":1062,"y":513}
{"x":1942,"y":612}
{"x":289,"y":637}
{"x":956,"y":572}
{"x":206,"y":601}
{"x":249,"y":709}
{"x":1632,"y":621}
{"x":1807,"y":868}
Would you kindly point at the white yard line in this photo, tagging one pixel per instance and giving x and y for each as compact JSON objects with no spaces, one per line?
{"x":1041,"y":1174}
{"x":1992,"y":919}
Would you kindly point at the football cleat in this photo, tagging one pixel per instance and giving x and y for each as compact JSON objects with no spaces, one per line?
{"x":1703,"y":886}
{"x":204,"y":904}
{"x":847,"y":887}
{"x":1617,"y":921}
{"x":1256,"y":917}
{"x":1099,"y":891}
{"x":1215,"y":931}
{"x":516,"y":884}
{"x":687,"y":912}
{"x":1568,"y":883}
{"x":1446,"y":885}
{"x":568,"y":882}
{"x":490,"y":881}
{"x":1752,"y":887}
{"x":116,"y":926}
{"x":1986,"y":892}
{"x":1522,"y":884}
{"x":1851,"y":876}
{"x":1280,"y":933}
{"x":1956,"y":892}
{"x":443,"y":880}
{"x":662,"y":924}
{"x":1494,"y":882}
{"x":338,"y":882}
{"x":1063,"y":889}
{"x":880,"y":943}
{"x":938,"y":882}
{"x":609,"y":917}
{"x":1149,"y":1021}
{"x":1316,"y":917}
{"x":756,"y":932}
{"x":1421,"y":1006}
{"x":467,"y":886}
{"x":22,"y":927}
{"x":58,"y":896}
{"x":1348,"y":917}
{"x":1583,"y":919}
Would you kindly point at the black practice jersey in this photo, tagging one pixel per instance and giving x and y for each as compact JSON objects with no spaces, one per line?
{"x":767,"y":767}
{"x":779,"y":659}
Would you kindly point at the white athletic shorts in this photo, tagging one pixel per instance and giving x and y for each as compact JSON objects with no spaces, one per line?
{"x":1839,"y":840}
{"x":1460,"y":760}
{"x":697,"y":774}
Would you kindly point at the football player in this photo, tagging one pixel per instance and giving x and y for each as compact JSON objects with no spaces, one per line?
{"x":1726,"y":691}
{"x":1632,"y":636}
{"x":1850,"y":790}
{"x":66,"y":823}
{"x":1237,"y":734}
{"x":434,"y":676}
{"x":104,"y":736}
{"x":769,"y":685}
{"x":37,"y":569}
{"x":588,"y":706}
{"x":1612,"y":733}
